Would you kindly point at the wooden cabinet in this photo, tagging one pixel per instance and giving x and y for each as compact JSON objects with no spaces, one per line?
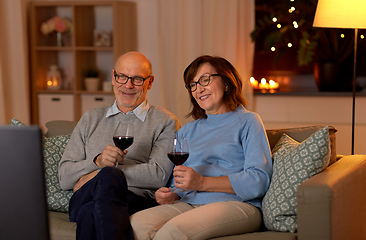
{"x":91,"y":101}
{"x":78,"y":51}
{"x":55,"y":107}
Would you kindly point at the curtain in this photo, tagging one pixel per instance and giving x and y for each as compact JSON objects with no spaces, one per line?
{"x":187,"y":29}
{"x":14,"y":77}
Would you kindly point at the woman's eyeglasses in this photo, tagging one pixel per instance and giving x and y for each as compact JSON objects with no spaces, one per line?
{"x":204,"y":80}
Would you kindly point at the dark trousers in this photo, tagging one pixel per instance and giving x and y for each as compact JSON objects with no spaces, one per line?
{"x":101,"y":207}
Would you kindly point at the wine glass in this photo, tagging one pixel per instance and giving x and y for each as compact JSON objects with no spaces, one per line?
{"x":178,"y":155}
{"x":123,"y":136}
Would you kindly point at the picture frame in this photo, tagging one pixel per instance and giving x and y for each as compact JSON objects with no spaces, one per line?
{"x":102,"y":38}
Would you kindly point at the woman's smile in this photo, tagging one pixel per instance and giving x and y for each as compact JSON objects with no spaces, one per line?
{"x":210,"y":97}
{"x":204,"y":97}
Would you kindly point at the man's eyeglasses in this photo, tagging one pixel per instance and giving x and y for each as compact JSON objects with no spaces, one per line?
{"x":204,"y":80}
{"x":123,"y":79}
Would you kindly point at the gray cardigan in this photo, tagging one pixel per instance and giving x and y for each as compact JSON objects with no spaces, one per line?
{"x":146,"y":165}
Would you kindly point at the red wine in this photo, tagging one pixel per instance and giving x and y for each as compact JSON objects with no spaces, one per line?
{"x":122,"y":142}
{"x":178,"y":158}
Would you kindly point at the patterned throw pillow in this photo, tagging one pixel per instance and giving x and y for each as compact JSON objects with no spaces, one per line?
{"x":16,"y":122}
{"x":53,"y":148}
{"x":293,"y":163}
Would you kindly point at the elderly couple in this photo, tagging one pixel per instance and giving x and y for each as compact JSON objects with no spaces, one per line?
{"x":225,"y":177}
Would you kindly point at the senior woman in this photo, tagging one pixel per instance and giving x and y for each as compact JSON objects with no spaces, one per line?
{"x":229,"y":166}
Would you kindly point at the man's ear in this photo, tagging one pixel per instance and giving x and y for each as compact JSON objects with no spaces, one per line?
{"x":151,"y":80}
{"x":112,"y":75}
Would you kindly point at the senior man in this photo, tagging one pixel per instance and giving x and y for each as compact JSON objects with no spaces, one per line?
{"x":105,"y":195}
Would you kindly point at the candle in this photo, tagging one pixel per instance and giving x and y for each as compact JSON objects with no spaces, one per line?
{"x":263,"y":84}
{"x":254,"y":82}
{"x":273,"y":84}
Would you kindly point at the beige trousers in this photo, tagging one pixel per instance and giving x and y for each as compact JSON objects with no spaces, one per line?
{"x":180,"y":221}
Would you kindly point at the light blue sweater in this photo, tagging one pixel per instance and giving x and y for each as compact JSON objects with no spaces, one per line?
{"x":233,"y":144}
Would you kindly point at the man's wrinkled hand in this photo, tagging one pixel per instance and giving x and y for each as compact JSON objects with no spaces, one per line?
{"x":110,"y":156}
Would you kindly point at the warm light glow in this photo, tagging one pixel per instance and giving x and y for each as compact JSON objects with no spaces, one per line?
{"x":273,"y":49}
{"x":289,"y":44}
{"x":278,"y":25}
{"x":274,"y":19}
{"x":362,"y":36}
{"x":295,"y":24}
{"x":254,"y":82}
{"x":53,"y":82}
{"x":340,"y":14}
{"x":291,"y":10}
{"x":273,"y":84}
{"x":263,"y":84}
{"x":270,"y":85}
{"x":342,"y":35}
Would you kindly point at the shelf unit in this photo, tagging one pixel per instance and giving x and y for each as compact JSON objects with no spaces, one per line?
{"x":79,"y":52}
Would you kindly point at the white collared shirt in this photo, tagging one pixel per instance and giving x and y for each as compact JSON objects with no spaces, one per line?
{"x":140,"y":111}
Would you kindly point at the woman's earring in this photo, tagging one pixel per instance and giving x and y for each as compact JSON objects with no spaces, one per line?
{"x":227,"y":88}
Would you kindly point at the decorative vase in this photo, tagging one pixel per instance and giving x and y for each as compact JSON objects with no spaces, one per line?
{"x":327,"y":77}
{"x":107,"y":86}
{"x":60,"y":42}
{"x":334,"y":77}
{"x":91,"y":84}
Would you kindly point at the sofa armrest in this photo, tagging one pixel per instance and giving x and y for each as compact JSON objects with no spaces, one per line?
{"x":331,"y":205}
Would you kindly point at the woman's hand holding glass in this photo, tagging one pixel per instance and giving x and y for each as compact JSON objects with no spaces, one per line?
{"x":178,"y":154}
{"x":187,"y":178}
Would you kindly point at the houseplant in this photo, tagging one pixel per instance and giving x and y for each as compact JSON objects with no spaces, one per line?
{"x":290,"y":22}
{"x":91,"y":78}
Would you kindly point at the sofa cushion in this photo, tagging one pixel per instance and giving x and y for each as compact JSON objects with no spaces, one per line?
{"x":59,"y":127}
{"x":60,"y":226}
{"x":302,"y":133}
{"x":53,"y":148}
{"x":294,"y":163}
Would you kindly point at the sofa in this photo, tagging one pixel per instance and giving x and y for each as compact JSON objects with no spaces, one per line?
{"x":330,"y":204}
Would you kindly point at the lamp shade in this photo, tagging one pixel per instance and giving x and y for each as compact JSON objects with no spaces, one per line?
{"x":340,"y":14}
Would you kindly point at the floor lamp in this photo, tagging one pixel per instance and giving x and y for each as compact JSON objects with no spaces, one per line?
{"x":343,"y":14}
